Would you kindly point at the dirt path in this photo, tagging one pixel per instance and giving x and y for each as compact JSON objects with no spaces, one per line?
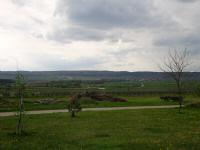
{"x":3,"y":114}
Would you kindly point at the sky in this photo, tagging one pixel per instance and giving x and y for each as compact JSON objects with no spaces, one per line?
{"x":117,"y":35}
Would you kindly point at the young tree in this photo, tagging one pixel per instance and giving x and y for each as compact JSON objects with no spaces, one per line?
{"x":175,"y":66}
{"x":20,"y":86}
{"x":74,"y":104}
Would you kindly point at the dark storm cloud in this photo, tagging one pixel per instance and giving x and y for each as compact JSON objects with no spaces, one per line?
{"x":109,"y":13}
{"x":190,"y":41}
{"x":96,"y":19}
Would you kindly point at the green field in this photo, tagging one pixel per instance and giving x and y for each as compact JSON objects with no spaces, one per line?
{"x":128,"y":129}
{"x":124,"y":88}
{"x":138,"y":93}
{"x":61,"y":103}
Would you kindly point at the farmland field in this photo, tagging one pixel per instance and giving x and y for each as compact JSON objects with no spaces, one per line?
{"x":138,"y":93}
{"x":118,"y":87}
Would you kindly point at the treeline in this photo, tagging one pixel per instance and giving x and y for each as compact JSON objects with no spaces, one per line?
{"x":92,"y":75}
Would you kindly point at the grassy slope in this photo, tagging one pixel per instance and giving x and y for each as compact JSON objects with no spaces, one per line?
{"x":128,"y":129}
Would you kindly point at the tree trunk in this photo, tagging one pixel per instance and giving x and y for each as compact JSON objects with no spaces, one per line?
{"x":180,"y":95}
{"x":19,"y":125}
{"x":73,"y":113}
{"x":180,"y":105}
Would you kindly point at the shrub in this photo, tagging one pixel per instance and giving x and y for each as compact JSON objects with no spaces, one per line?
{"x":194,"y":105}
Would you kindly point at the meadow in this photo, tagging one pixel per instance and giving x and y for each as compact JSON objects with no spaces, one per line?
{"x":126,"y":129}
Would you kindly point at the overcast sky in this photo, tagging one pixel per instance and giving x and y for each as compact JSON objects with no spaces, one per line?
{"x":131,"y":35}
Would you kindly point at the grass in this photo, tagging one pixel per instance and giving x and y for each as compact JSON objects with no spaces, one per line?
{"x":128,"y":129}
{"x":30,"y":104}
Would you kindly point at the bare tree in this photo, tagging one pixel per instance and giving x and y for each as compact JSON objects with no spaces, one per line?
{"x":20,"y":86}
{"x":175,"y":66}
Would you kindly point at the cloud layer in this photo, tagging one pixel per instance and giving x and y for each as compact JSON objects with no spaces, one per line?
{"x":131,"y":35}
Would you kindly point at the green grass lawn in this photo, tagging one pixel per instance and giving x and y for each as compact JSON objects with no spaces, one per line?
{"x":164,"y":129}
{"x":132,"y":101}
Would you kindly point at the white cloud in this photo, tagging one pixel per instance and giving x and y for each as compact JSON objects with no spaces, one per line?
{"x":129,"y":35}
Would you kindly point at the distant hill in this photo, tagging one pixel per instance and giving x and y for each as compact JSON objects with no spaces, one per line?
{"x":91,"y":75}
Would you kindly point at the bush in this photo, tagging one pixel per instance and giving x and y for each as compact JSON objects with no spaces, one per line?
{"x":194,"y":105}
{"x":87,"y":100}
{"x":198,"y":90}
{"x":1,"y":96}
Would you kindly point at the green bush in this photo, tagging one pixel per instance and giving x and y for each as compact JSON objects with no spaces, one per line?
{"x":198,"y":90}
{"x":87,"y":100}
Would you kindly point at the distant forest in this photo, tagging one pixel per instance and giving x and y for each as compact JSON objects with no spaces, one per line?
{"x":92,"y":75}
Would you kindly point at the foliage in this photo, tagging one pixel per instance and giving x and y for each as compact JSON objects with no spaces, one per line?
{"x":87,"y":101}
{"x":198,"y":90}
{"x":20,"y":86}
{"x":74,"y":105}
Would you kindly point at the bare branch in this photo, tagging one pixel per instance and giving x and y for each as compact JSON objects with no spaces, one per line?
{"x":174,"y":66}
